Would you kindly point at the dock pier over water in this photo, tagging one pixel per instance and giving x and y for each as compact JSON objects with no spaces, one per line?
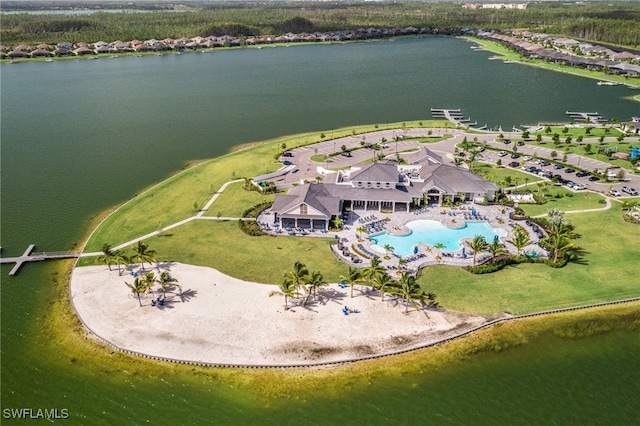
{"x":28,"y":256}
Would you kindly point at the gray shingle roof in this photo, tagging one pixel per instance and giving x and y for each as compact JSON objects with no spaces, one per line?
{"x":314,"y":195}
{"x":377,"y":172}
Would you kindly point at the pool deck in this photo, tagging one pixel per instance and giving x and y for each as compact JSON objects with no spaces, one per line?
{"x":355,"y":248}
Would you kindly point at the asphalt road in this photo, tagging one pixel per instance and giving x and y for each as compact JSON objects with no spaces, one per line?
{"x":309,"y":170}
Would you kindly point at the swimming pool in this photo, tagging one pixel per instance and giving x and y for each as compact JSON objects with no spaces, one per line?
{"x":432,"y":232}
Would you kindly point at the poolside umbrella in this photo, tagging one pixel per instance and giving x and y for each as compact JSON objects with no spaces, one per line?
{"x":464,"y":254}
{"x":373,"y":225}
{"x":415,"y":250}
{"x":495,"y":238}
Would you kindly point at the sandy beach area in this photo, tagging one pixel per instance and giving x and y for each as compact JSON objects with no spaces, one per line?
{"x":221,"y":319}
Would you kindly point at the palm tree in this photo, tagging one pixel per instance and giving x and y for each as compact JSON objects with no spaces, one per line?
{"x":107,"y":257}
{"x":337,"y":223}
{"x":247,"y":185}
{"x":361,"y":230}
{"x":121,"y":259}
{"x":315,"y":280}
{"x":520,"y":240}
{"x":381,"y":282}
{"x":401,"y":263}
{"x":478,"y":244}
{"x":371,"y":272}
{"x":628,"y":205}
{"x":409,"y":289}
{"x":298,"y":276}
{"x":137,"y":288}
{"x":149,"y":280}
{"x":287,"y":289}
{"x":353,"y":277}
{"x":388,"y":248}
{"x":560,"y":245}
{"x":166,"y":281}
{"x":143,"y":254}
{"x":376,"y":268}
{"x":495,"y":248}
{"x":439,"y":246}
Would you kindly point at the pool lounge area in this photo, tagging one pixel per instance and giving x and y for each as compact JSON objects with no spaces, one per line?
{"x":414,"y":235}
{"x":431,"y":233}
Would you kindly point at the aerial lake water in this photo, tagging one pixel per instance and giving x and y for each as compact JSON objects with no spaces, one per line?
{"x":80,"y":136}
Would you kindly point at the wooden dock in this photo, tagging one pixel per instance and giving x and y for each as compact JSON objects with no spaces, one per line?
{"x":27,"y":256}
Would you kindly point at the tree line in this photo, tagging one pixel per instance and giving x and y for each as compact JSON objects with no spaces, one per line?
{"x":617,"y":23}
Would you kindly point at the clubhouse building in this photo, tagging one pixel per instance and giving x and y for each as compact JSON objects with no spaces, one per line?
{"x":383,"y":186}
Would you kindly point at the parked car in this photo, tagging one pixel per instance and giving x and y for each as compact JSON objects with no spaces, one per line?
{"x":481,"y":149}
{"x":502,"y":154}
{"x":528,"y":157}
{"x":384,"y":146}
{"x":287,"y":154}
{"x":614,"y":192}
{"x":346,"y":154}
{"x":579,"y":186}
{"x":514,"y":164}
{"x":593,"y":178}
{"x":544,"y":163}
{"x":558,"y":166}
{"x":582,"y":173}
{"x":287,"y":163}
{"x":515,"y":155}
{"x":507,"y":141}
{"x":630,"y":191}
{"x":570,"y":170}
{"x":520,"y":143}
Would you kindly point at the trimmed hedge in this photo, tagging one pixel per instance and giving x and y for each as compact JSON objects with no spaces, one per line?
{"x":251,"y":227}
{"x":504,"y":261}
{"x":257,"y":209}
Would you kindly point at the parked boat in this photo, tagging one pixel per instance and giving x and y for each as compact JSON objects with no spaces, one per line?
{"x":607,"y":83}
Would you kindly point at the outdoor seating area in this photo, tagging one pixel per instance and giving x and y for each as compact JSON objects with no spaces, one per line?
{"x":372,"y":224}
{"x":357,"y":248}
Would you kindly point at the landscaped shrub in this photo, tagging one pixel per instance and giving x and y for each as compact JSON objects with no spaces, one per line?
{"x":250,"y":227}
{"x":501,"y":262}
{"x":257,"y":209}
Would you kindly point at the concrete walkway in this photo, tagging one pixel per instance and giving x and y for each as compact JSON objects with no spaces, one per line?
{"x":199,"y":216}
{"x":607,"y":206}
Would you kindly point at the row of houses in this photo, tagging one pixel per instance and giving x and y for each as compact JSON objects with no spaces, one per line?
{"x":184,"y":43}
{"x":568,"y":51}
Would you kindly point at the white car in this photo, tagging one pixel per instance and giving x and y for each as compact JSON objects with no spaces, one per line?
{"x":630,"y":191}
{"x":614,"y":192}
{"x":579,"y":186}
{"x":528,"y":158}
{"x":502,"y":154}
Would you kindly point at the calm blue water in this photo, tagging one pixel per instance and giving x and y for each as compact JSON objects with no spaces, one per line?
{"x":432,"y":232}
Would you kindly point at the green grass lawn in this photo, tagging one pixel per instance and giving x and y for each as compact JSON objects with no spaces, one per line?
{"x":569,"y":201}
{"x":497,"y":174}
{"x":609,"y":273}
{"x":173,"y":200}
{"x":235,"y":200}
{"x":223,"y":246}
